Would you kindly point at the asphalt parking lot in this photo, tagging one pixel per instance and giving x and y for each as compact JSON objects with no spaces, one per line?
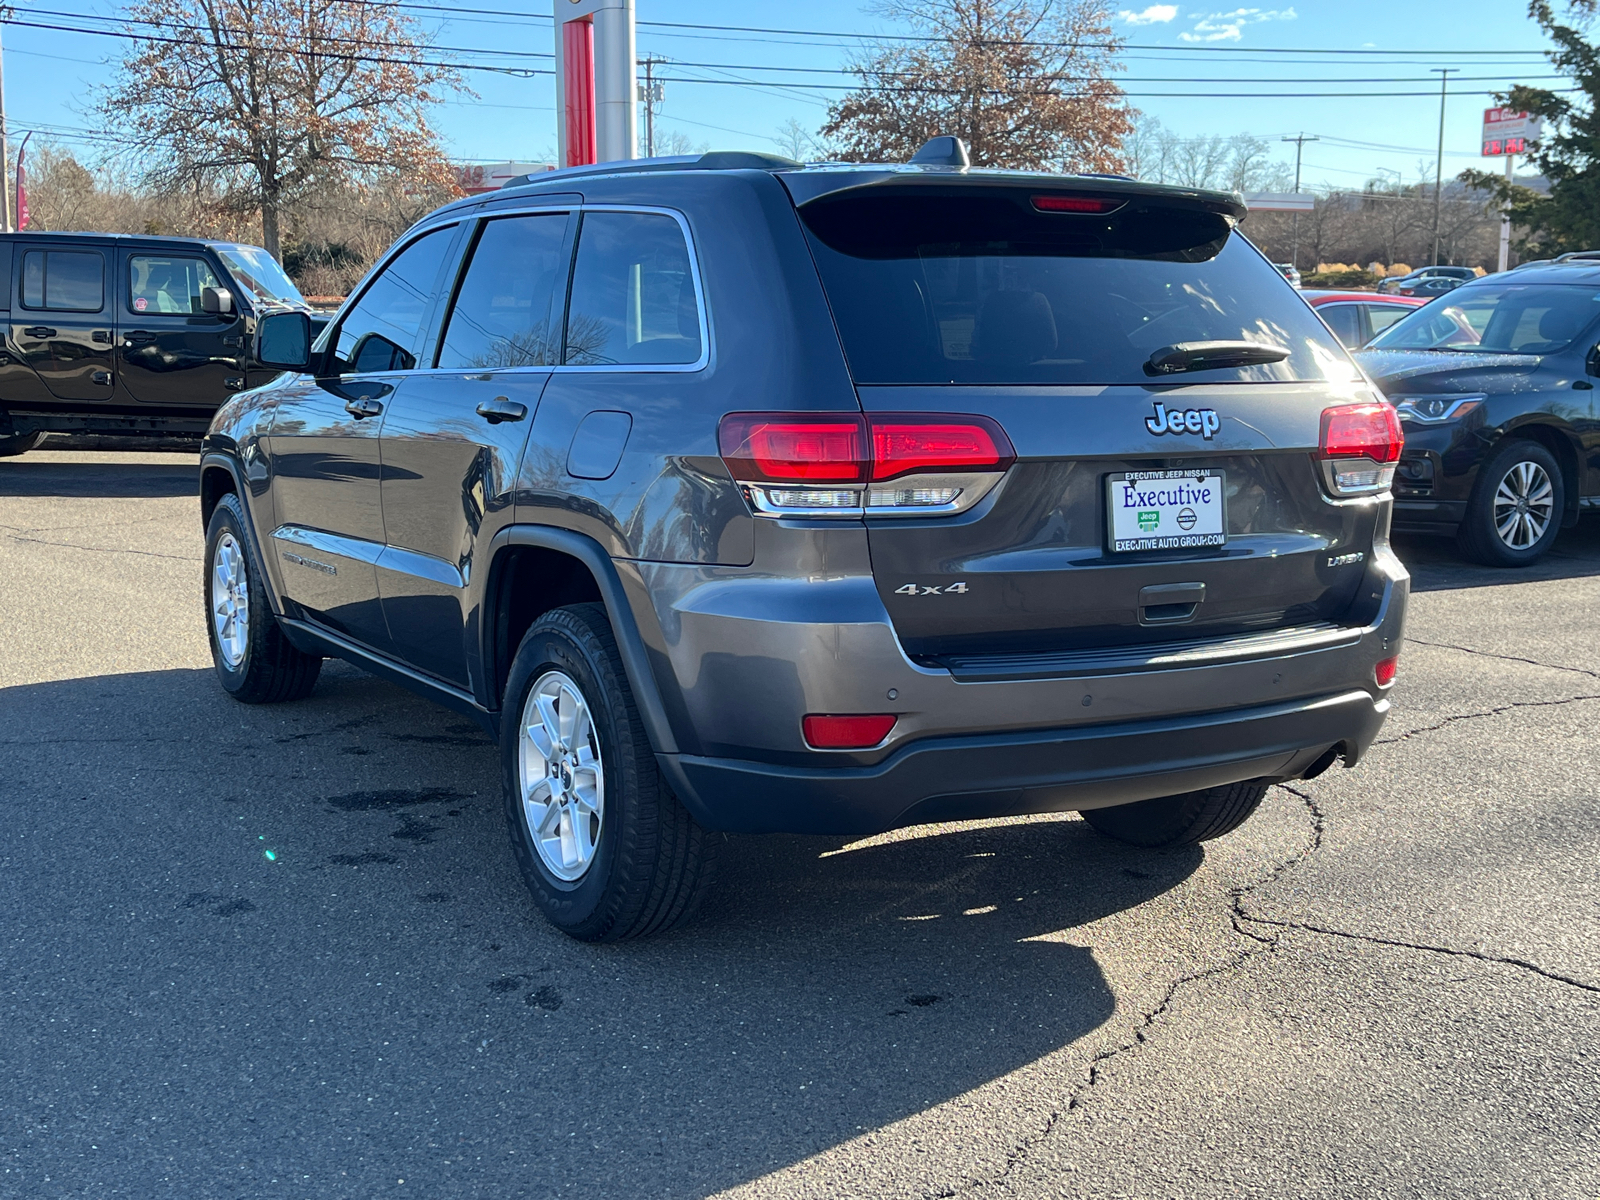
{"x":283,"y":951}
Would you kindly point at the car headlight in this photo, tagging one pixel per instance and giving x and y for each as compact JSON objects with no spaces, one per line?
{"x":1436,"y":410}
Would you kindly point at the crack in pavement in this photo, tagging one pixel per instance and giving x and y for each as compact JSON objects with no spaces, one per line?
{"x":1532,"y":662}
{"x":1523,"y":963}
{"x":104,"y":549}
{"x":1239,"y":918}
{"x":1148,"y":1020}
{"x":1497,"y":711}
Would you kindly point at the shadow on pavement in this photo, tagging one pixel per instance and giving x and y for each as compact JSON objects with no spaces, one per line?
{"x":1436,"y":565}
{"x":379,"y":1000}
{"x":112,"y":480}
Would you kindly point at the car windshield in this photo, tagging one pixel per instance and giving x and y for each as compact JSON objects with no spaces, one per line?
{"x":988,"y":288}
{"x":258,"y":273}
{"x":1497,"y":318}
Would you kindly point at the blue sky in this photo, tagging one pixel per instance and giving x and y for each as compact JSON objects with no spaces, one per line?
{"x":1223,"y":49}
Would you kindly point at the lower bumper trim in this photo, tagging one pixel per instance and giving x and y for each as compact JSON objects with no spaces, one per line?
{"x":1058,"y":770}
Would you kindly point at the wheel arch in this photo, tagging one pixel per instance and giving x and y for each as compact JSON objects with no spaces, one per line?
{"x":1563,"y":443}
{"x":570,"y":568}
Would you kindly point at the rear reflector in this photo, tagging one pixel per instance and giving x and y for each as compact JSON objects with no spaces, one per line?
{"x":1362,"y":431}
{"x":857,"y":732}
{"x":1385,"y":671}
{"x":1076,"y":204}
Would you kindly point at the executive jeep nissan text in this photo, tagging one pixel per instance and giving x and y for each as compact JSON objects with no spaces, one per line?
{"x":736,"y":495}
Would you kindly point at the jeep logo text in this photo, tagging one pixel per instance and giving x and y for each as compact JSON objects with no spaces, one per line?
{"x":1203,"y":421}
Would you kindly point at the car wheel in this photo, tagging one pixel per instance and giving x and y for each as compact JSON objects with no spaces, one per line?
{"x":1517,"y":504}
{"x":605,"y":847}
{"x":255,"y":662}
{"x":1181,"y":820}
{"x":19,"y":443}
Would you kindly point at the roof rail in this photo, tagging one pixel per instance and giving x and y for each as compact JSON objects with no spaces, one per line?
{"x":716,"y":160}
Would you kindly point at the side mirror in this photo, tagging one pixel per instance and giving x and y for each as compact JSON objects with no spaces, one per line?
{"x":1591,"y":364}
{"x":283,"y":340}
{"x":216,"y":300}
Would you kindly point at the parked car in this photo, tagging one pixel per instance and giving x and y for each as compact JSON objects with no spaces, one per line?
{"x":1290,"y":272}
{"x":1401,"y":285}
{"x":108,"y":333}
{"x":736,"y":495}
{"x":1494,"y":385}
{"x":1357,"y":317}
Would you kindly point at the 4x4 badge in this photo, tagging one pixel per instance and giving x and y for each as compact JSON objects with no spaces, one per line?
{"x":913,"y":589}
{"x":1203,"y":421}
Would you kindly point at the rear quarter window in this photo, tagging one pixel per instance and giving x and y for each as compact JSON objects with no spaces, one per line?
{"x":983,"y":289}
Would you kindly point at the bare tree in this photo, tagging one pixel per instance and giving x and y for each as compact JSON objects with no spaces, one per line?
{"x":264,"y":101}
{"x":1026,"y":83}
{"x":798,"y":142}
{"x":1240,"y":162}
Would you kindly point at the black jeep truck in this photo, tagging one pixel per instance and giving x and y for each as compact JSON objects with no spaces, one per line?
{"x":108,"y":333}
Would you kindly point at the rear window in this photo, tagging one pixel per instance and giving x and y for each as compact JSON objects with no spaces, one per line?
{"x":987,"y":290}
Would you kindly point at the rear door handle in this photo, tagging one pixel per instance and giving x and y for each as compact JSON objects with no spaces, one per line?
{"x":39,"y":331}
{"x":139,"y":337}
{"x":100,"y":337}
{"x":363,"y":407}
{"x":101,"y":377}
{"x":502,"y":408}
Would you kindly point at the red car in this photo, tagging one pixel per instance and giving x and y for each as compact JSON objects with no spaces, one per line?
{"x":1358,"y":317}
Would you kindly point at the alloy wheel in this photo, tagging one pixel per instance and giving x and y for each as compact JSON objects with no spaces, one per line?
{"x":230,"y":601}
{"x":561,"y":776}
{"x":1524,"y":504}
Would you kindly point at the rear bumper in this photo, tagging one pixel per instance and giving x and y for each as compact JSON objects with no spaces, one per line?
{"x":1057,"y":770}
{"x":1429,"y":516}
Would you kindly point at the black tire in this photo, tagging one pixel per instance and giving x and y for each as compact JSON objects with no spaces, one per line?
{"x":1181,"y":820}
{"x":19,"y":443}
{"x":269,"y":669}
{"x":1479,"y":537}
{"x":651,"y":863}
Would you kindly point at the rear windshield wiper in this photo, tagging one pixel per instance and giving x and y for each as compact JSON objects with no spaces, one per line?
{"x":1206,"y":356}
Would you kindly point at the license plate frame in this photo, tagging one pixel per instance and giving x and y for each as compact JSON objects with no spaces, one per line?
{"x":1158,"y":526}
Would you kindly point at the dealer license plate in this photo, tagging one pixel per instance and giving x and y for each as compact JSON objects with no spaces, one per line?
{"x":1165,"y":510}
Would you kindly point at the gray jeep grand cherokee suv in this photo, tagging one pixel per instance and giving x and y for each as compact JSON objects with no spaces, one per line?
{"x":736,"y":495}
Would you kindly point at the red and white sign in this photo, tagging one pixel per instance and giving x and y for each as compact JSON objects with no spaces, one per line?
{"x":1507,"y":131}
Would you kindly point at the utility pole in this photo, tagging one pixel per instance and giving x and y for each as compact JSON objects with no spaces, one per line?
{"x":5,"y":190}
{"x":651,"y":92}
{"x":1438,"y":169}
{"x":1299,"y":147}
{"x":1505,"y":221}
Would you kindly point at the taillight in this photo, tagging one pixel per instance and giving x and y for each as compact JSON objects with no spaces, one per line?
{"x":1385,"y":671}
{"x":829,"y":464}
{"x":855,"y":732}
{"x":1359,"y":447}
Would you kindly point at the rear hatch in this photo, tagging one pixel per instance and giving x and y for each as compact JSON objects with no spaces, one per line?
{"x":1161,"y":492}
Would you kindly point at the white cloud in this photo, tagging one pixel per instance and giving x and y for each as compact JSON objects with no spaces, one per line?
{"x":1229,"y":26}
{"x":1156,"y":14}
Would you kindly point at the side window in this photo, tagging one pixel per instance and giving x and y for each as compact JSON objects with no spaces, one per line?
{"x":1345,"y":321}
{"x":380,"y":332}
{"x":5,"y":276}
{"x":501,"y":317}
{"x":1384,"y":315}
{"x":633,"y":299}
{"x":168,"y":283}
{"x":64,"y":280}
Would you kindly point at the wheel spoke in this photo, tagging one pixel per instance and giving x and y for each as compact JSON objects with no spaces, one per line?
{"x":537,"y":735}
{"x":550,"y":719}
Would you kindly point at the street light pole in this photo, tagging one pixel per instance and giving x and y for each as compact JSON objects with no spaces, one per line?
{"x":1299,"y":147}
{"x":1438,"y":169}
